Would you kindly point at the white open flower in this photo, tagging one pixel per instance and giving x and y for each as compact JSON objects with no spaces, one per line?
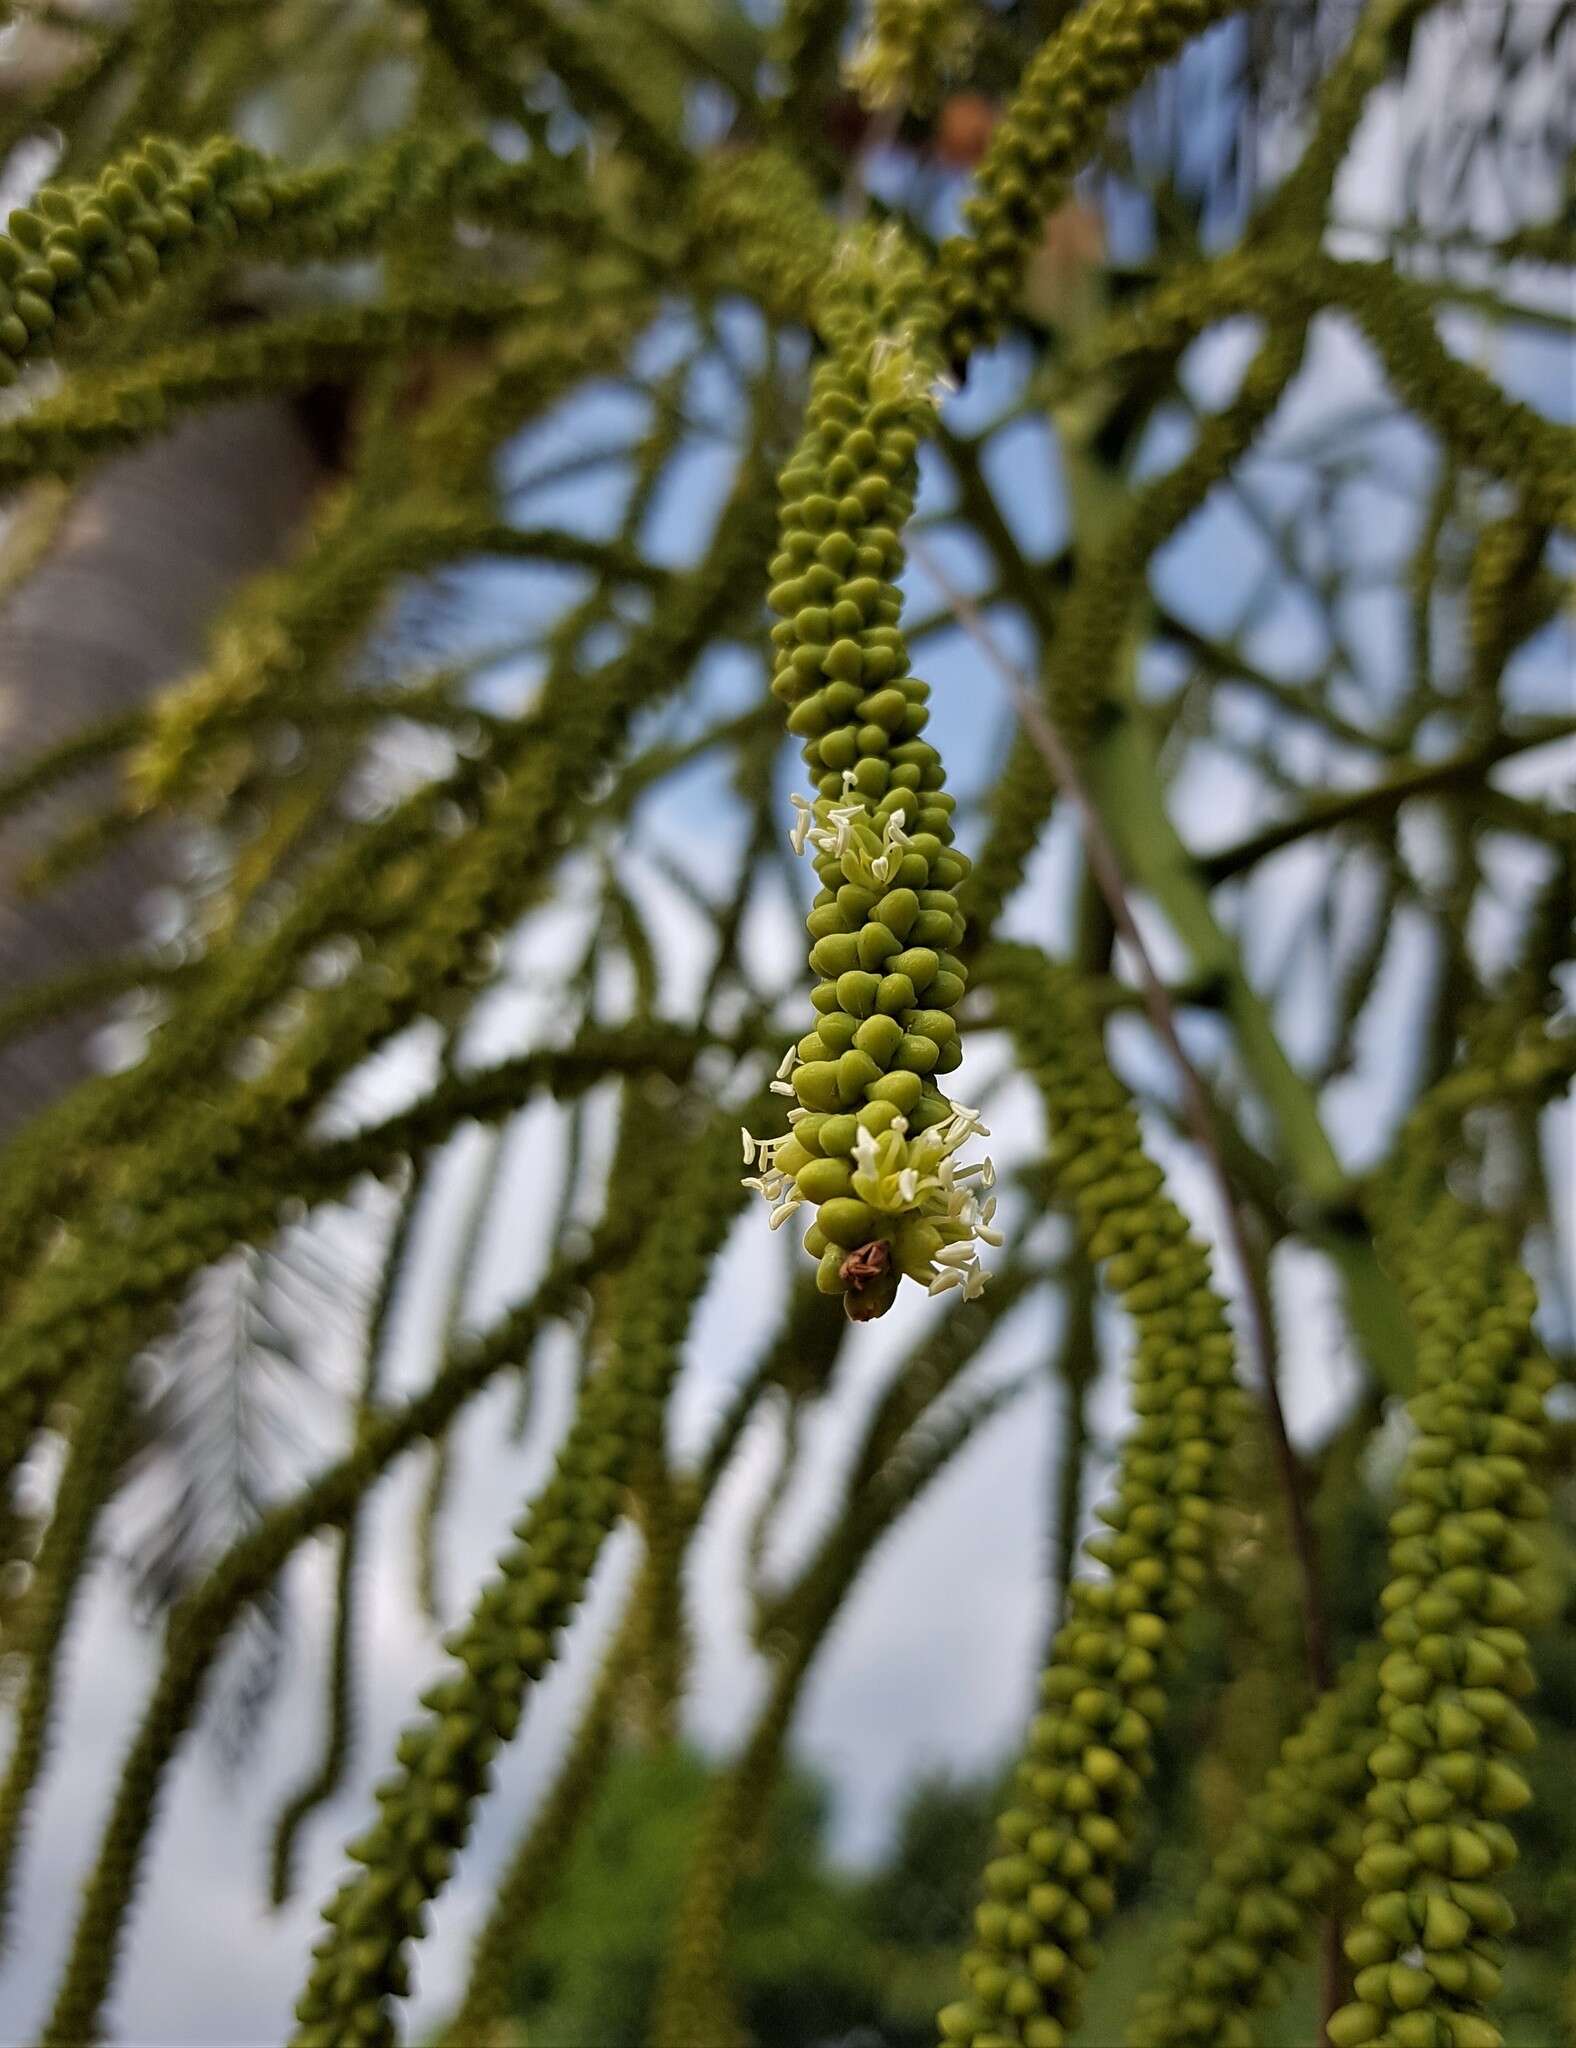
{"x":771,"y":1183}
{"x":900,"y":374}
{"x":868,"y":845}
{"x":834,"y":832}
{"x":870,"y":861}
{"x":958,"y":1265}
{"x":964,"y":1123}
{"x":903,"y":1178}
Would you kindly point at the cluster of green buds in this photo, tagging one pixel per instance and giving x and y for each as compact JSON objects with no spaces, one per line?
{"x":909,"y":1441}
{"x":1283,"y":282}
{"x":759,"y":213}
{"x":1428,"y":1949}
{"x":1071,"y":1827}
{"x":97,"y":415}
{"x":512,"y":1635}
{"x":283,"y":628}
{"x":329,"y":212}
{"x":1101,"y":54}
{"x":873,"y":1140}
{"x":84,"y":251}
{"x":1098,"y":611}
{"x":1484,"y":427}
{"x":1502,"y":599}
{"x":541,"y":1851}
{"x":911,"y":51}
{"x":1276,"y":1871}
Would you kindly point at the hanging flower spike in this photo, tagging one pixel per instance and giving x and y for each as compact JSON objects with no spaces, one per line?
{"x":873,"y":1137}
{"x":1073,"y":1820}
{"x":1099,"y":57}
{"x":910,"y":52}
{"x":1427,"y":1948}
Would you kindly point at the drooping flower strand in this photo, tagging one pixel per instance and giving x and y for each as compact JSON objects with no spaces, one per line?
{"x":872,"y":1139}
{"x":509,"y":854}
{"x":98,"y":1442}
{"x":326,"y":1776}
{"x":1429,"y":1947}
{"x":1507,"y":600}
{"x":911,"y":1439}
{"x":1273,"y":1876}
{"x":543,"y":1847}
{"x":200,"y":1626}
{"x":1103,"y":610}
{"x":444,"y":1761}
{"x":911,"y":51}
{"x":1070,"y":1829}
{"x":1098,"y":58}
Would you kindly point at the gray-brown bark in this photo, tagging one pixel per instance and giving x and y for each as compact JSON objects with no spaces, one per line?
{"x":148,"y":551}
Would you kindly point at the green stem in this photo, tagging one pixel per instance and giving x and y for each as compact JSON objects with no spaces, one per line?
{"x":1125,"y":773}
{"x":1381,"y":799}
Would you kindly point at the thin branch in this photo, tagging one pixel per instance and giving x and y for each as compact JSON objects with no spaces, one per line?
{"x":1381,"y":799}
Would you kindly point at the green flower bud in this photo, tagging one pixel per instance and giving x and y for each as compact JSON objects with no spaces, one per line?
{"x":847,"y":1222}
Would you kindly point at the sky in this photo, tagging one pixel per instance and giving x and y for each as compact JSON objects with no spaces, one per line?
{"x":931,"y":1664}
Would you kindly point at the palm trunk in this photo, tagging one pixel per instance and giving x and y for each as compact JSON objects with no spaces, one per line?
{"x":147,"y":553}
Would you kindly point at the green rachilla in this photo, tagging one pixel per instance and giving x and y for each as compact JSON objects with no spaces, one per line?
{"x":873,"y":1140}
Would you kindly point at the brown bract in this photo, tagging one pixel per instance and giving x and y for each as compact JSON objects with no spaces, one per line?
{"x":871,"y":1281}
{"x":867,"y":1263}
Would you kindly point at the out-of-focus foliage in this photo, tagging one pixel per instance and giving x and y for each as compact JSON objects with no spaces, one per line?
{"x":873,"y":577}
{"x":822,"y":1954}
{"x":797,"y":1946}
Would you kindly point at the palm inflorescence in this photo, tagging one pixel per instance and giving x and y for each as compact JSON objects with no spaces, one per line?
{"x":442,"y":227}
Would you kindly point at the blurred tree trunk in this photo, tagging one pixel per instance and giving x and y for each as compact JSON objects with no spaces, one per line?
{"x":145,"y":555}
